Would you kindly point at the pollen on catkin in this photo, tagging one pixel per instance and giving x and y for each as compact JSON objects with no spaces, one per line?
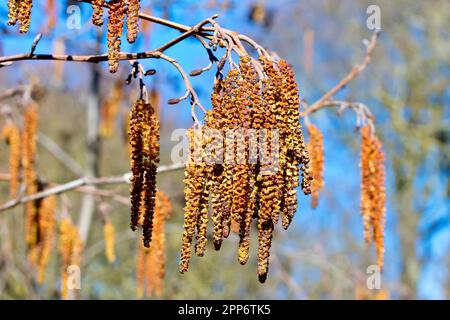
{"x":24,"y":15}
{"x":97,"y":14}
{"x":373,"y":194}
{"x":315,"y":148}
{"x":144,"y":143}
{"x":132,"y":20}
{"x":115,"y":29}
{"x":11,"y":134}
{"x":47,"y":224}
{"x":13,"y":12}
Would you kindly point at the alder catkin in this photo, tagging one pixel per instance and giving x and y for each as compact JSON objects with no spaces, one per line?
{"x":47,"y":224}
{"x":373,"y":194}
{"x":13,"y":12}
{"x":115,"y":29}
{"x":109,"y":235}
{"x":315,"y":148}
{"x":132,"y":20}
{"x":97,"y":14}
{"x":12,"y":136}
{"x":24,"y":15}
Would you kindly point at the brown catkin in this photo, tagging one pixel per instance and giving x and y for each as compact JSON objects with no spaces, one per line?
{"x":97,"y":14}
{"x":13,"y":12}
{"x":115,"y":29}
{"x":12,"y":136}
{"x":24,"y":15}
{"x":145,"y":148}
{"x":315,"y":148}
{"x":373,"y":194}
{"x":133,"y":20}
{"x":109,"y":235}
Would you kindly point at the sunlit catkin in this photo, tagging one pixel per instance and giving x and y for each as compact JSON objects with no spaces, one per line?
{"x":109,"y":235}
{"x":373,"y":194}
{"x":24,"y":15}
{"x":150,"y":263}
{"x":144,"y":142}
{"x":132,"y":20}
{"x":97,"y":14}
{"x":315,"y":148}
{"x":13,"y":12}
{"x":109,"y":109}
{"x":11,"y":134}
{"x":115,"y":29}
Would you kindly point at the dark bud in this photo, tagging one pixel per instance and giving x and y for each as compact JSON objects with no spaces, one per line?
{"x":150,"y":72}
{"x":196,"y":72}
{"x":174,"y":101}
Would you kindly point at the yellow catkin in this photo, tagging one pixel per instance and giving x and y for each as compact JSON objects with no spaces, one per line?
{"x":151,"y":262}
{"x":24,"y":15}
{"x":315,"y":148}
{"x":70,"y":249}
{"x":132,"y":20}
{"x":13,"y":12}
{"x":109,"y":235}
{"x":47,"y":223}
{"x":115,"y":29}
{"x":97,"y":12}
{"x":29,"y":144}
{"x":109,"y":109}
{"x":373,"y":194}
{"x":12,"y":136}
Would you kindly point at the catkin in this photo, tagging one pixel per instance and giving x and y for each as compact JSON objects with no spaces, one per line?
{"x":24,"y":15}
{"x":315,"y":148}
{"x":132,"y":20}
{"x":115,"y":29}
{"x":70,"y":248}
{"x":151,"y":261}
{"x":97,"y":14}
{"x":13,"y":12}
{"x":109,"y":235}
{"x":373,"y":194}
{"x":12,"y":136}
{"x":144,"y":142}
{"x":47,"y":223}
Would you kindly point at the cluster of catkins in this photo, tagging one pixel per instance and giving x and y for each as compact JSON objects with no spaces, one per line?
{"x":40,"y":215}
{"x":144,"y":148}
{"x":19,"y":11}
{"x":237,"y":193}
{"x":373,"y":193}
{"x":150,"y":265}
{"x":315,"y":148}
{"x":118,"y":10}
{"x":70,"y":248}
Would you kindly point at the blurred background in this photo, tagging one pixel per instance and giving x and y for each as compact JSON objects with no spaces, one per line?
{"x":323,"y":254}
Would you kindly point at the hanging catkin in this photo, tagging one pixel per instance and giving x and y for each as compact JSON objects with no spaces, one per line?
{"x":144,"y":142}
{"x":150,"y":263}
{"x":109,"y":235}
{"x":373,"y":194}
{"x":13,"y":12}
{"x":47,"y":223}
{"x":24,"y":15}
{"x":315,"y":148}
{"x":12,"y":136}
{"x":115,"y":29}
{"x":132,"y":20}
{"x":97,"y":14}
